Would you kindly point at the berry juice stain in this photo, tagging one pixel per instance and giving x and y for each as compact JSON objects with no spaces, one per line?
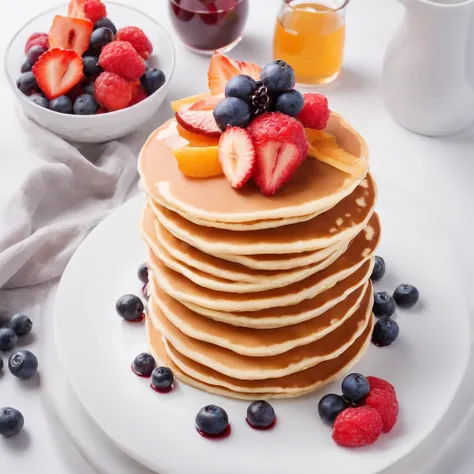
{"x":143,"y":376}
{"x":161,"y":390}
{"x":258,"y":428}
{"x":215,"y":437}
{"x":137,"y":320}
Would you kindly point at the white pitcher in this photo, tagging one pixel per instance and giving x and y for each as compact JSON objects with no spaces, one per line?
{"x":428,"y":76}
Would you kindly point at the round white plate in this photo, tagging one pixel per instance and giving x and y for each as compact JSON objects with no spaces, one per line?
{"x":426,"y":364}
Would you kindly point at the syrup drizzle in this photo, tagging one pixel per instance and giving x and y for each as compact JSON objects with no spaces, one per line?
{"x":216,"y":437}
{"x":262,"y":428}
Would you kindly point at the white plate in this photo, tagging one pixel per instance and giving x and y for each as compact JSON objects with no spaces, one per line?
{"x":426,"y":364}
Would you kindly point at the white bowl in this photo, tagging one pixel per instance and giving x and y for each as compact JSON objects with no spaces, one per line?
{"x":102,"y":127}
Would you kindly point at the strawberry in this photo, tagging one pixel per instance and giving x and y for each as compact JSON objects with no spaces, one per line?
{"x":199,"y":118}
{"x":236,"y":156}
{"x":70,"y":33}
{"x":222,"y":68}
{"x":280,"y":146}
{"x":57,"y":71}
{"x":75,"y":9}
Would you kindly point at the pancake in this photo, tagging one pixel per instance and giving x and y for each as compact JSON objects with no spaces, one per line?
{"x":243,"y":367}
{"x":255,"y":342}
{"x":286,"y":315}
{"x":181,"y":288}
{"x":314,"y":187}
{"x":340,"y":223}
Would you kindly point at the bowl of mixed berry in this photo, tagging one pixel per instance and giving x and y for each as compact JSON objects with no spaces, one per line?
{"x":90,"y":71}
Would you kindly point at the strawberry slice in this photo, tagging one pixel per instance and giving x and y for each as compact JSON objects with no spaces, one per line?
{"x":75,"y":9}
{"x":237,"y":156}
{"x":222,"y":68}
{"x":280,"y":146}
{"x":57,"y":71}
{"x":70,"y":33}
{"x":199,"y":118}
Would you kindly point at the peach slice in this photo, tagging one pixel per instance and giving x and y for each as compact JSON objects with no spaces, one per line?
{"x":198,"y":162}
{"x":181,"y":104}
{"x":196,"y":139}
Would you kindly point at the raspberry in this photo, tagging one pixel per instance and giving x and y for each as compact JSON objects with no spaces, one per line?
{"x":138,"y":93}
{"x":385,"y":402}
{"x":101,"y":110}
{"x":112,"y":91}
{"x":315,"y":113}
{"x":37,"y":39}
{"x":137,"y":38}
{"x":357,"y":427}
{"x":94,"y":10}
{"x":121,"y":58}
{"x":375,"y":382}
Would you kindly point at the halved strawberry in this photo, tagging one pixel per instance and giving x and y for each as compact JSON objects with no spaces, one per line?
{"x":75,"y":9}
{"x":199,"y":118}
{"x":70,"y":33}
{"x":280,"y":147}
{"x":222,"y":68}
{"x":237,"y":156}
{"x":57,"y":71}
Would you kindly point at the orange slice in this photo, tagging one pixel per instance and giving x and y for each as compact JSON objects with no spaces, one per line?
{"x":198,"y":162}
{"x":181,"y":104}
{"x":196,"y":139}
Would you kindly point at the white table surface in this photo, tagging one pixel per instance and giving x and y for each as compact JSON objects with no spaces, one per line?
{"x":437,"y":171}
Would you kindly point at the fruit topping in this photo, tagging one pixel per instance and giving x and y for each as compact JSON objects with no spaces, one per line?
{"x":61,"y":104}
{"x":91,"y":66}
{"x":330,"y":406}
{"x":94,"y":10}
{"x":196,"y":139}
{"x":384,"y":304}
{"x":236,"y":156}
{"x":199,"y":117}
{"x":100,"y":37}
{"x":112,"y":91}
{"x":130,"y":307}
{"x":242,"y":86}
{"x":26,"y":66}
{"x":185,"y":103}
{"x":143,"y":364}
{"x":278,"y":76}
{"x":355,"y":387}
{"x":198,"y":162}
{"x":76,"y":8}
{"x":1,"y":364}
{"x":39,"y":99}
{"x":137,"y":38}
{"x":212,"y":420}
{"x":85,"y":104}
{"x":21,"y":324}
{"x":11,"y":422}
{"x":143,"y":273}
{"x":8,"y":339}
{"x":386,"y":403}
{"x":162,"y":379}
{"x":57,"y":71}
{"x":105,"y":23}
{"x":27,"y":83}
{"x":260,"y":415}
{"x":260,"y":100}
{"x":23,"y":364}
{"x":406,"y":295}
{"x":379,"y":269}
{"x":280,"y":146}
{"x":385,"y":332}
{"x":70,"y":33}
{"x":121,"y":58}
{"x":232,"y":112}
{"x":356,"y":427}
{"x":376,"y":382}
{"x":34,"y":53}
{"x":75,"y":92}
{"x":37,"y":39}
{"x":315,"y":113}
{"x":152,"y":80}
{"x":289,"y":103}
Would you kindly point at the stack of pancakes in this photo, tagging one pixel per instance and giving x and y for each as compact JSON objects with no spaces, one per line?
{"x":254,"y":296}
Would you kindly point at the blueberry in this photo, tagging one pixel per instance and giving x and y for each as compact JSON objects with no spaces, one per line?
{"x":100,"y":37}
{"x":61,"y":104}
{"x":39,"y":99}
{"x":105,"y":23}
{"x":89,"y":88}
{"x":26,"y":66}
{"x":290,"y":103}
{"x":355,"y":387}
{"x":91,"y":66}
{"x":8,"y":339}
{"x":91,"y":52}
{"x":143,"y":364}
{"x":406,"y":295}
{"x":212,"y":420}
{"x":260,"y":414}
{"x":85,"y":104}
{"x":379,"y":269}
{"x":384,"y":304}
{"x":1,"y":364}
{"x":27,"y":83}
{"x":242,"y":87}
{"x":11,"y":422}
{"x":330,"y":406}
{"x":232,"y":112}
{"x":162,"y":378}
{"x":130,"y":307}
{"x":152,"y":80}
{"x":23,"y":364}
{"x":385,"y":332}
{"x":21,"y":324}
{"x":278,"y":76}
{"x":34,"y":53}
{"x":143,"y":273}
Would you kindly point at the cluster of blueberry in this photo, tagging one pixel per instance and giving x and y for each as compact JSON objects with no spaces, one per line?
{"x":22,"y":364}
{"x":162,"y":379}
{"x":246,"y":98}
{"x":386,"y":330}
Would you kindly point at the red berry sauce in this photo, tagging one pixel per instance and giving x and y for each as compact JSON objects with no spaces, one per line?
{"x":266,"y":428}
{"x":161,"y":390}
{"x":138,"y":374}
{"x":216,"y":437}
